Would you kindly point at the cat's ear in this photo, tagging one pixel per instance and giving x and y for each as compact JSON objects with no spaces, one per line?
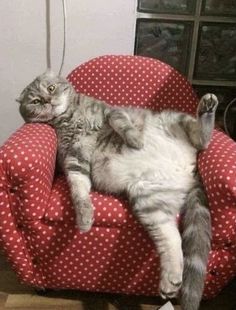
{"x":21,"y":97}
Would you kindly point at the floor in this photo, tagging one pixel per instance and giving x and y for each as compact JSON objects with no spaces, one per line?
{"x":15,"y":296}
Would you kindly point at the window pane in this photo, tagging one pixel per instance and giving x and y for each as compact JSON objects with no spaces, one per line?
{"x":168,"y":41}
{"x":216,"y":57}
{"x":219,"y":7}
{"x":167,"y":6}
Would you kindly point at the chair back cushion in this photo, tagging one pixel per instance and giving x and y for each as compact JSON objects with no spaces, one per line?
{"x":134,"y":81}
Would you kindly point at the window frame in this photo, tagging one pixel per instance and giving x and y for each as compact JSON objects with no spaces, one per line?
{"x":197,"y":18}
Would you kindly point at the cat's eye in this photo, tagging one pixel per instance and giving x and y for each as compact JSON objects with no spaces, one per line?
{"x":36,"y":101}
{"x":51,"y":88}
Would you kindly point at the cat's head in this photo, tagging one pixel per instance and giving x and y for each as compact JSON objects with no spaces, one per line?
{"x":47,"y":97}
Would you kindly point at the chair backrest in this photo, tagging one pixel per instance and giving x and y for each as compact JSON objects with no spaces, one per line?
{"x":134,"y":81}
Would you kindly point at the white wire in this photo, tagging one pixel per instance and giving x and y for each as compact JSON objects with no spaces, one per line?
{"x":64,"y":35}
{"x":48,"y":35}
{"x":225,"y":115}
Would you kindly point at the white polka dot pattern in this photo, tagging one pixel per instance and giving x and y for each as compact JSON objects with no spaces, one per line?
{"x":134,"y":80}
{"x":37,"y":221}
{"x":217,"y":166}
{"x":27,"y":164}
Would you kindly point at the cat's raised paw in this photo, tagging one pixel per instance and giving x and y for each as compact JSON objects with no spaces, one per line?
{"x":207,"y":104}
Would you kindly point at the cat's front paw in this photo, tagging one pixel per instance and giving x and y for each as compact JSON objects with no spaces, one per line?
{"x":207,"y":104}
{"x":134,"y":138}
{"x":84,"y":215}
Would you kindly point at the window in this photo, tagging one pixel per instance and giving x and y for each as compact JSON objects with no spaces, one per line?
{"x":196,"y":37}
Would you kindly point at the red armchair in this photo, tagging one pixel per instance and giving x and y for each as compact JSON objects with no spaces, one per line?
{"x":37,"y":220}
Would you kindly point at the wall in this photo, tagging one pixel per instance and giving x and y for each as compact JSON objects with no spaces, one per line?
{"x":94,"y":28}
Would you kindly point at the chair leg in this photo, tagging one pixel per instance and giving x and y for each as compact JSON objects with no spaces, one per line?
{"x":42,"y":291}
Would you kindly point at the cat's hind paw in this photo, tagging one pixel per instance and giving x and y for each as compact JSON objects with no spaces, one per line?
{"x":208,"y":104}
{"x":170,"y":284}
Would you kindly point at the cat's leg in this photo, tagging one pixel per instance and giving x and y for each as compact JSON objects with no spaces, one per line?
{"x":77,"y":170}
{"x":157,"y":214}
{"x":164,"y":232}
{"x":200,"y":129}
{"x":120,"y":121}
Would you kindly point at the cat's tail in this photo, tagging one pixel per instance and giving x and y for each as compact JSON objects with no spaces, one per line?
{"x":196,"y":240}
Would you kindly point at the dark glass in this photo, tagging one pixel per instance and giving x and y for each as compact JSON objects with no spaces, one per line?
{"x":168,"y":41}
{"x":219,"y":7}
{"x":167,"y":6}
{"x":216,"y":53}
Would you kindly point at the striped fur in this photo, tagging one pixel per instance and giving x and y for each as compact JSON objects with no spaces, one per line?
{"x":150,"y":157}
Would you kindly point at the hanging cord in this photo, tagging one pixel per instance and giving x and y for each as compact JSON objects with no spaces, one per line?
{"x":48,"y":35}
{"x":64,"y":36}
{"x":225,"y":115}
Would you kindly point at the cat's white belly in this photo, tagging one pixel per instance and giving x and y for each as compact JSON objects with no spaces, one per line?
{"x":165,"y":161}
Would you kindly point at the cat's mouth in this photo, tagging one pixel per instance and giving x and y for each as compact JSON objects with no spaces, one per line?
{"x":67,"y":87}
{"x":43,"y":116}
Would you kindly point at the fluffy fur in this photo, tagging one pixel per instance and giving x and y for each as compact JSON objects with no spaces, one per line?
{"x":150,"y":157}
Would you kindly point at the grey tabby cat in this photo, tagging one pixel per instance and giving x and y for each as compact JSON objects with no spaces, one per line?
{"x":150,"y":157}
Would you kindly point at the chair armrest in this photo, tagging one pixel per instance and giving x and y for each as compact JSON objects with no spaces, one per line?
{"x":217,"y":167}
{"x":27,"y":161}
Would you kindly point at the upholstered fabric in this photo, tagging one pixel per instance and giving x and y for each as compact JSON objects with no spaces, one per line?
{"x":37,"y":220}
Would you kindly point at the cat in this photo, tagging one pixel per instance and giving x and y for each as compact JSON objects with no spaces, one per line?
{"x":148,"y":156}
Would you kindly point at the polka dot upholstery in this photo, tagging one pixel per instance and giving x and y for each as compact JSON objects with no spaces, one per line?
{"x":134,"y":80}
{"x":37,"y":220}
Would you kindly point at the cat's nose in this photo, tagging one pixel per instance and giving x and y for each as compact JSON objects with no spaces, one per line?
{"x":47,"y":100}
